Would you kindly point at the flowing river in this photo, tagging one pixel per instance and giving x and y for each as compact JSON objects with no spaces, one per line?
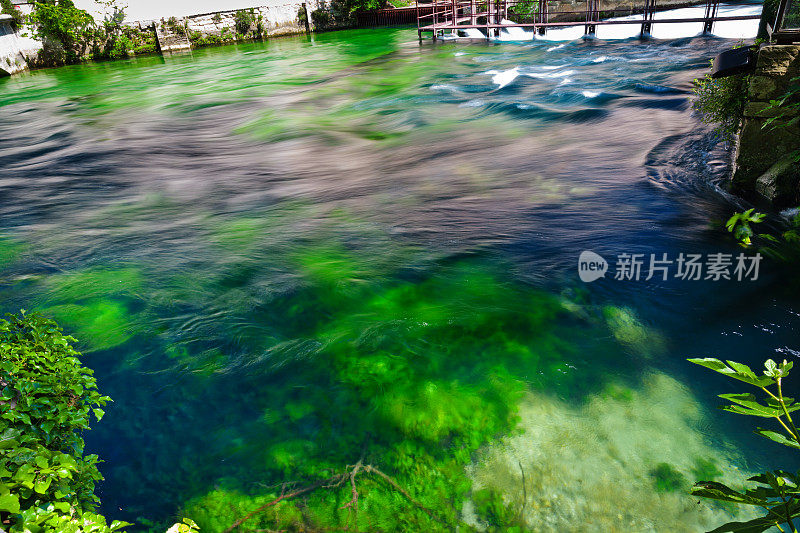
{"x":283,"y":257}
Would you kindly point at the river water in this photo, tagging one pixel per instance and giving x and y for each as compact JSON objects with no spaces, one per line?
{"x":282,"y":257}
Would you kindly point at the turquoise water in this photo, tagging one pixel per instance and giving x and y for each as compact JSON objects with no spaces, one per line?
{"x":281,"y":258}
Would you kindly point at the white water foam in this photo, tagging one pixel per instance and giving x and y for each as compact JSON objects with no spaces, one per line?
{"x":734,"y":29}
{"x":503,"y":77}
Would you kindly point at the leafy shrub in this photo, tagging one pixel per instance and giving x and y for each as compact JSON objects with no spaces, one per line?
{"x":48,"y":398}
{"x":17,"y":18}
{"x":121,"y":48}
{"x":321,"y":18}
{"x":243,"y":20}
{"x":65,"y":30}
{"x":721,"y":101}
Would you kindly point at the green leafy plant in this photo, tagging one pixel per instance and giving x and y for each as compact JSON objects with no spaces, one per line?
{"x":65,"y":30}
{"x":739,"y":225}
{"x":17,"y":18}
{"x":320,"y":18}
{"x":786,"y":107}
{"x":785,"y":247}
{"x":48,"y":398}
{"x":721,"y":101}
{"x":243,"y":20}
{"x":786,"y":112}
{"x":777,"y":492}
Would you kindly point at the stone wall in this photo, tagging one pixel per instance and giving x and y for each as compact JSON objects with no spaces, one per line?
{"x":12,"y":60}
{"x":765,"y":163}
{"x":279,"y":17}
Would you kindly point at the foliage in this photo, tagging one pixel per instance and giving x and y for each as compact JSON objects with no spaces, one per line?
{"x":302,"y":15}
{"x":739,"y":225}
{"x":721,"y":101}
{"x":68,"y":33}
{"x":243,"y":21}
{"x":785,"y":247}
{"x":121,"y":48}
{"x":523,"y":10}
{"x":187,"y":525}
{"x":65,"y":30}
{"x":48,"y":397}
{"x":17,"y":18}
{"x":320,"y":18}
{"x":777,"y":492}
{"x":341,"y":13}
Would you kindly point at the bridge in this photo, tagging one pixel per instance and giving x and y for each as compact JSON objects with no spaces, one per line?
{"x":455,"y":18}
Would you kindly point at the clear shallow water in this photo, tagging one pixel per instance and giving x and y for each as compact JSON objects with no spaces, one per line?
{"x":281,"y":256}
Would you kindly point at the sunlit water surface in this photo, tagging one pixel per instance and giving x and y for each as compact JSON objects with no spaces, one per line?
{"x":285,"y":255}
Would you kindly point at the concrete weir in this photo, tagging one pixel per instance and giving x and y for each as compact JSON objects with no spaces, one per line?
{"x":11,"y":59}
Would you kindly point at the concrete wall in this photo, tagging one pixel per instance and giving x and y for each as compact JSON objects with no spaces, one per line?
{"x":278,"y":17}
{"x":765,"y":157}
{"x":12,"y":60}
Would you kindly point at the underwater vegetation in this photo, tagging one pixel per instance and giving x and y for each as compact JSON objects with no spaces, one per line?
{"x":624,"y":459}
{"x":293,"y":366}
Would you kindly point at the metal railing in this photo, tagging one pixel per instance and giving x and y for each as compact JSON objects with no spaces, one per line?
{"x":454,"y":17}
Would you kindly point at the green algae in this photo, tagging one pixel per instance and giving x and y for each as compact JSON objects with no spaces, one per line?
{"x":95,"y":305}
{"x":427,"y":371}
{"x":10,"y":251}
{"x":99,"y":324}
{"x":667,"y":479}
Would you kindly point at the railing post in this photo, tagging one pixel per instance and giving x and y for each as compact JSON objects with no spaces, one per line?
{"x":711,"y":12}
{"x":647,"y":18}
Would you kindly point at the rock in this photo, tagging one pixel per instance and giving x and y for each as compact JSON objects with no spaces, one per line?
{"x":764,"y":163}
{"x":774,"y":60}
{"x":779,"y":184}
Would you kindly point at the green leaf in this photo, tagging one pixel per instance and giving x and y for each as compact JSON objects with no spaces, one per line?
{"x":41,"y":462}
{"x":99,"y":414}
{"x":42,"y":486}
{"x":757,"y":525}
{"x":718,"y":491}
{"x":9,"y":503}
{"x":748,"y":405}
{"x":8,"y":439}
{"x":780,"y":438}
{"x":735,"y":371}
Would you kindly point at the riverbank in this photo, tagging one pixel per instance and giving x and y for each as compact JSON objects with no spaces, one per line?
{"x":273,"y":19}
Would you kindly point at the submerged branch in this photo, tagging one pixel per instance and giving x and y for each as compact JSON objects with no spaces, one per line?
{"x":337,"y":481}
